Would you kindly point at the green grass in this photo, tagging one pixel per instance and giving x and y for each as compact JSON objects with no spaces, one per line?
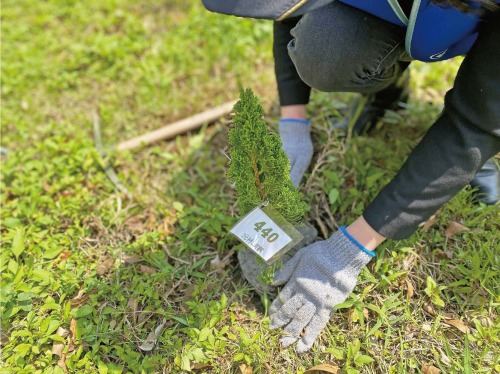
{"x":89,"y":273}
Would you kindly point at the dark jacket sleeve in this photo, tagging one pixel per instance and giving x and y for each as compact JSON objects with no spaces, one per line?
{"x":465,"y":136}
{"x":292,"y":90}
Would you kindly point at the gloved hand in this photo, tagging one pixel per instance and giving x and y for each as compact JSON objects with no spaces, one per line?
{"x":297,"y":144}
{"x":317,"y":278}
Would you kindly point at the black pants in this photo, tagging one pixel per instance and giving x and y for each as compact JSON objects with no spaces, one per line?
{"x":337,"y":48}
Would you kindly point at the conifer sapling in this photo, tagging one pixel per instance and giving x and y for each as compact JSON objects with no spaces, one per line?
{"x":259,"y":167}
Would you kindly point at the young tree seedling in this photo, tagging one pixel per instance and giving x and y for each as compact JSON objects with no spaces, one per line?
{"x":259,"y":167}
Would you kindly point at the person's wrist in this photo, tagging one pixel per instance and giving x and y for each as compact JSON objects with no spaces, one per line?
{"x":294,"y":111}
{"x":364,"y":234}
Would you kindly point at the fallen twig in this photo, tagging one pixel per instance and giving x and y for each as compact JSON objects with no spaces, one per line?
{"x":178,"y":127}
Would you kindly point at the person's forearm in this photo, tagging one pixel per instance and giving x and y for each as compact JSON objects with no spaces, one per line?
{"x":365,"y":234}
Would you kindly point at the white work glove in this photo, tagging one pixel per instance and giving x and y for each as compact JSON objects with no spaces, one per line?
{"x":296,"y":138}
{"x":317,"y":278}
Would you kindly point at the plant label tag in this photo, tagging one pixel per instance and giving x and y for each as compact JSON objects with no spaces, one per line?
{"x":261,"y":234}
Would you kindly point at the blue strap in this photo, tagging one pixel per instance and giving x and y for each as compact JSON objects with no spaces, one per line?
{"x":358,"y":244}
{"x":297,"y":120}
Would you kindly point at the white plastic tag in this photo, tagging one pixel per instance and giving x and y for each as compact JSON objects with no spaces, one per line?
{"x":262,"y":234}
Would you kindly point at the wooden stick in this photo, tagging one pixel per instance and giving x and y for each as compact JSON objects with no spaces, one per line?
{"x":178,"y":127}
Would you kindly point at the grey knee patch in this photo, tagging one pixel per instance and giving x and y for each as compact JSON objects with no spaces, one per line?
{"x":341,"y":49}
{"x":313,"y":65}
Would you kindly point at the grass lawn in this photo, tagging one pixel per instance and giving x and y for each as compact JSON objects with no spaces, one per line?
{"x":88,"y":273}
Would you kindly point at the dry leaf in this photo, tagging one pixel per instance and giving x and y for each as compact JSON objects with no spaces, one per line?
{"x":147,"y":269}
{"x":447,"y":315}
{"x":72,"y":327}
{"x":458,"y":324}
{"x":62,"y":363}
{"x":150,"y":341}
{"x":430,"y":222}
{"x":429,"y":369}
{"x":4,"y":338}
{"x":104,"y":264}
{"x":62,"y":332}
{"x":132,"y":304}
{"x":63,"y":256}
{"x":46,"y":187}
{"x":454,"y":228}
{"x":409,"y":262}
{"x":136,"y":225}
{"x":409,"y":289}
{"x":365,"y":313}
{"x":72,"y":330}
{"x":148,"y":344}
{"x":429,"y":309}
{"x":323,"y":368}
{"x":66,"y":193}
{"x":167,"y":225}
{"x":79,"y":300}
{"x":245,"y":369}
{"x":57,"y":348}
{"x":129,"y":260}
{"x":449,"y":254}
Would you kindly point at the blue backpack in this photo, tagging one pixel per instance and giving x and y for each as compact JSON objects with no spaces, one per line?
{"x":434,"y":33}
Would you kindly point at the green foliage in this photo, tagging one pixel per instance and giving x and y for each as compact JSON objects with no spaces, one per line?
{"x":259,"y":167}
{"x":432,"y":290}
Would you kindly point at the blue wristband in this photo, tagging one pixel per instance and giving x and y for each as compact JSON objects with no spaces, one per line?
{"x":358,"y":244}
{"x":296,"y":120}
